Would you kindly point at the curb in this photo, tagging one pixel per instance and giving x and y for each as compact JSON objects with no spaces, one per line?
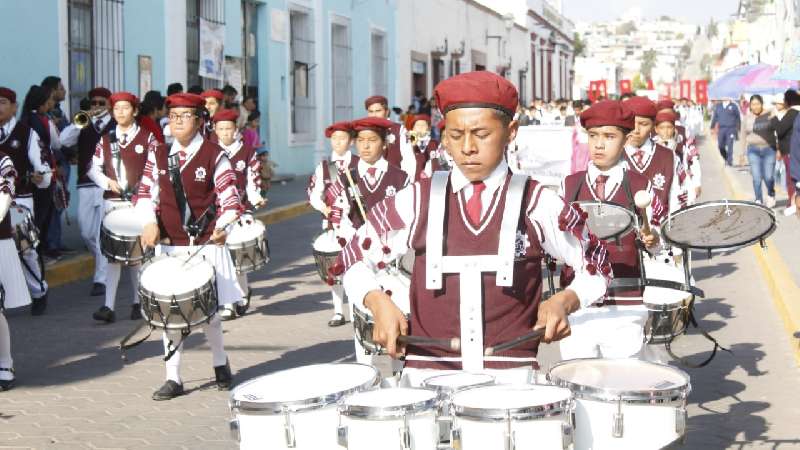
{"x":783,"y":290}
{"x":82,"y":266}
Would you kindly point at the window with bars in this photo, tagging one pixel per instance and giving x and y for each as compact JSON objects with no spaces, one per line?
{"x":341,"y":58}
{"x":212,"y":11}
{"x":303,"y":105}
{"x":380,"y":64}
{"x":95,"y":47}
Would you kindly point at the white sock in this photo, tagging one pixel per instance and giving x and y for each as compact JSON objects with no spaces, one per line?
{"x":213,"y":332}
{"x":337,"y":294}
{"x":112,"y":283}
{"x":5,"y":349}
{"x":133,"y":272}
{"x":242,"y":279}
{"x":174,"y":363}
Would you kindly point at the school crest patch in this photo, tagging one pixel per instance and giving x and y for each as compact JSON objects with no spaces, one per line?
{"x":240,"y":165}
{"x":200,"y":174}
{"x":659,"y":180}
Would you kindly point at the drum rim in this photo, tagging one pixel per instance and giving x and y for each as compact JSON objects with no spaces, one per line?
{"x":665,"y":225}
{"x":391,"y":412}
{"x":306,"y":404}
{"x":655,"y":396}
{"x":629,"y":213}
{"x":449,"y":390}
{"x":208,"y":285}
{"x":119,"y":237}
{"x":524,"y":413}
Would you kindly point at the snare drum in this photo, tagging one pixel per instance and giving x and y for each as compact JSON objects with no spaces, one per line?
{"x":608,"y":221}
{"x":719,"y":225}
{"x":177,"y":295}
{"x":448,"y":385}
{"x":296,"y":408}
{"x":512,"y":417}
{"x":625,"y":403}
{"x":120,"y":235}
{"x":401,"y":418}
{"x":395,"y":283}
{"x":25,"y":233}
{"x":248,"y":245}
{"x":667,"y":309}
{"x":326,"y":249}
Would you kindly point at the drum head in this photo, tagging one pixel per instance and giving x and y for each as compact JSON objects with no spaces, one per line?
{"x":245,"y":230}
{"x":170,"y":275}
{"x":608,"y":220}
{"x":510,"y":396}
{"x":326,"y":242}
{"x":719,"y":225}
{"x":18,"y":214}
{"x":457,"y":381}
{"x":387,"y":398}
{"x":123,"y":222}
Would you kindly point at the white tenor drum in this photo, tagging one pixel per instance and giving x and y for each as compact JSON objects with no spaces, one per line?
{"x":396,"y":418}
{"x":397,"y":284}
{"x":447,"y":386}
{"x":512,"y":417}
{"x":248,"y":244}
{"x":625,"y":403}
{"x":326,"y":249}
{"x":296,"y":408}
{"x":667,"y":309}
{"x":23,"y":228}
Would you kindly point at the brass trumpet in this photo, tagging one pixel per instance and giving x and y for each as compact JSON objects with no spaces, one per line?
{"x":82,"y":118}
{"x":415,"y":136}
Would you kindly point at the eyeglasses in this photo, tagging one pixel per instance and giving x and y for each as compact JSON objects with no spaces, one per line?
{"x":180,"y":117}
{"x":98,"y":103}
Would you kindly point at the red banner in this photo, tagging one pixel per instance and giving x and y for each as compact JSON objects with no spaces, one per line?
{"x":597,"y":90}
{"x":650,"y":85}
{"x":625,"y":86}
{"x":686,"y":88}
{"x":701,"y":91}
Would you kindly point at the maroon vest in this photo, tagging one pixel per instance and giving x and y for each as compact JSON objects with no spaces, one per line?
{"x":131,"y":159}
{"x":197,"y":177}
{"x":623,"y":255}
{"x":508,"y":312}
{"x":659,"y":170}
{"x":5,"y":222}
{"x":16,"y":147}
{"x":240,"y":163}
{"x":392,"y":180}
{"x":422,"y":155}
{"x":393,"y":155}
{"x":87,"y":143}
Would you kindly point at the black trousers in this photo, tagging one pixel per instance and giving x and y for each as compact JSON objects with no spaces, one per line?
{"x":43,"y":209}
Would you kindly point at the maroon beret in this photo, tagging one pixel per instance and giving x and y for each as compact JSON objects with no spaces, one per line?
{"x":377,"y":124}
{"x":123,"y":97}
{"x":8,"y":94}
{"x":223,"y":115}
{"x":480,"y":89}
{"x":215,"y":93}
{"x":666,"y":116}
{"x":641,"y":107}
{"x":338,"y":126}
{"x":424,"y":117}
{"x":608,"y":113}
{"x":99,"y":92}
{"x":665,"y":104}
{"x":185,"y":100}
{"x":376,"y":99}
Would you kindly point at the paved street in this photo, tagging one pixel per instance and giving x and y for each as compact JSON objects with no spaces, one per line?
{"x":75,"y":392}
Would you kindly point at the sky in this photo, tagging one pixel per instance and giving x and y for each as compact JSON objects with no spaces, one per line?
{"x":694,"y":11}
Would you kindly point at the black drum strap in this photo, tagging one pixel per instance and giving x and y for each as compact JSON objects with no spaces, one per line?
{"x":124,"y":345}
{"x":177,"y":186}
{"x":578,"y":190}
{"x":683,"y":361}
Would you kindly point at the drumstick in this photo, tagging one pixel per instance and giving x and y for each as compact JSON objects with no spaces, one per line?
{"x":452,"y":344}
{"x":355,"y":194}
{"x":642,"y":200}
{"x":532,"y":336}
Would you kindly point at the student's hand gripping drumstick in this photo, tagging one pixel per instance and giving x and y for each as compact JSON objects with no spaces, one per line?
{"x":354,"y":190}
{"x":516,"y":342}
{"x":642,"y":200}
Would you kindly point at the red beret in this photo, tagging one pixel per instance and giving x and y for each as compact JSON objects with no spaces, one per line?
{"x":215,"y":93}
{"x":376,"y":99}
{"x":666,"y":116}
{"x":185,"y":100}
{"x":665,"y":104}
{"x":223,"y":115}
{"x":377,"y":124}
{"x":480,"y":89}
{"x":8,"y":94}
{"x":99,"y":92}
{"x":339,"y":126}
{"x":442,"y":124}
{"x":641,"y":107}
{"x":124,"y":97}
{"x":424,"y":117}
{"x":608,"y":113}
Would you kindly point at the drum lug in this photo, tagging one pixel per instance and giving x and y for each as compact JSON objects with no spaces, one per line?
{"x":234,"y":427}
{"x":510,"y":441}
{"x":618,"y":424}
{"x":405,"y":435}
{"x":455,"y":438}
{"x":567,"y":438}
{"x":341,"y":436}
{"x":288,"y":429}
{"x":680,"y":422}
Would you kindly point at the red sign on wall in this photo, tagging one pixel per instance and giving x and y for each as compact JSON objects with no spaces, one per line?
{"x":597,"y":90}
{"x":701,"y":91}
{"x":625,"y":86}
{"x":686,"y":88}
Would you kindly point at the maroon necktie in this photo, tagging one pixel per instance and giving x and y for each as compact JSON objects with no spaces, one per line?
{"x":600,"y":187}
{"x":371,"y":172}
{"x":638,"y":156}
{"x":474,"y":204}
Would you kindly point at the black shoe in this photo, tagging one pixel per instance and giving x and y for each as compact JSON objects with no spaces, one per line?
{"x":98,"y":289}
{"x":104,"y":314}
{"x":241,"y":308}
{"x":39,"y":305}
{"x":168,"y":391}
{"x":7,"y":384}
{"x":337,"y":320}
{"x":223,"y":376}
{"x":136,"y":311}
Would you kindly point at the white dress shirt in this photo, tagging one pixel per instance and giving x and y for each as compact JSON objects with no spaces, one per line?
{"x":34,"y":154}
{"x":69,"y":135}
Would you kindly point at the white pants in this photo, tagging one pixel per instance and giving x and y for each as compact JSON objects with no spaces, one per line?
{"x":213,"y":332}
{"x":30,"y":267}
{"x":607,"y":331}
{"x":113,"y":272}
{"x":6,"y":362}
{"x":91,"y":209}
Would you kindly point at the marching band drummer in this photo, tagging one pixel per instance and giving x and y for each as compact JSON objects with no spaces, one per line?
{"x":247,"y":167}
{"x":12,"y":280}
{"x":464,"y":282}
{"x":117,"y":168}
{"x":204,"y":173}
{"x":340,"y":135}
{"x":378,"y":106}
{"x":32,"y":168}
{"x":614,"y":326}
{"x":688,"y":166}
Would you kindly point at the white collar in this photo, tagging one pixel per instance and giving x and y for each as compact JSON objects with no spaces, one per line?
{"x":647,"y":147}
{"x":614,"y":173}
{"x":130,"y":133}
{"x":381,"y":165}
{"x":343,"y":157}
{"x":190,"y":149}
{"x":233,"y":148}
{"x":9,"y":126}
{"x":493,"y":181}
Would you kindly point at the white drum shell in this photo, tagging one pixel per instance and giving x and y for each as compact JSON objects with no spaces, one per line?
{"x":643,"y":426}
{"x":313,"y":430}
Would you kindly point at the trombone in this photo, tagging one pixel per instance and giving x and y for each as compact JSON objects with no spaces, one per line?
{"x":82,"y":118}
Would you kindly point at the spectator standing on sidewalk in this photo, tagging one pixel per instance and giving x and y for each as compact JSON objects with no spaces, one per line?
{"x":783,"y":129}
{"x":759,"y":137}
